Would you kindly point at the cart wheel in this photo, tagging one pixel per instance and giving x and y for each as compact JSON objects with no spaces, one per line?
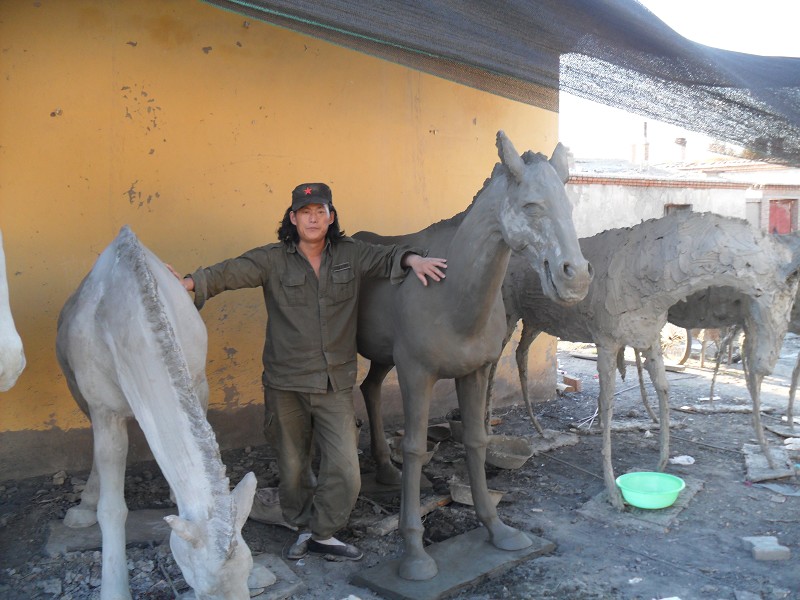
{"x":676,"y":344}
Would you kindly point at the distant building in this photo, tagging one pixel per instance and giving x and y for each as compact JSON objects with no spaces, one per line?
{"x":618,"y":193}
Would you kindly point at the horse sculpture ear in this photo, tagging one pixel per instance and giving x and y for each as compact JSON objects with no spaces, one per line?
{"x":510,"y":157}
{"x":243,"y":498}
{"x":560,"y":163}
{"x":186,"y":530}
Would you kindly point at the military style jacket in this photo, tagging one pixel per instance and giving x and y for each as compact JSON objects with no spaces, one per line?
{"x":311,"y":326}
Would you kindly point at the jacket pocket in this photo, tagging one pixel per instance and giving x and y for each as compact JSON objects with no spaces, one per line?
{"x":343,"y":284}
{"x":293,"y":289}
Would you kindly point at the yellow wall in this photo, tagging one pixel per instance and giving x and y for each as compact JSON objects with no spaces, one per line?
{"x":192,"y":125}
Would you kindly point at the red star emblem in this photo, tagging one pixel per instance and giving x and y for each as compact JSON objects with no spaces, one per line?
{"x":308,"y":191}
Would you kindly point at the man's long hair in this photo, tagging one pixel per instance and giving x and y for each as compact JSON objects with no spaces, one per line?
{"x":287,"y":231}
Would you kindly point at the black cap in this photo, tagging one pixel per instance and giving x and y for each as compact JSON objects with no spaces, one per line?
{"x":311,"y":193}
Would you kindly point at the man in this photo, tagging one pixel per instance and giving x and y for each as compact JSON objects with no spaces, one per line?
{"x":311,"y":280}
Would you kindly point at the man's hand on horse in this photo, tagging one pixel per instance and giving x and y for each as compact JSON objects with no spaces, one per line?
{"x":425,"y":266}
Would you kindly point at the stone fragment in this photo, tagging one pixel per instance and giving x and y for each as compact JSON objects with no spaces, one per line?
{"x":766,"y":547}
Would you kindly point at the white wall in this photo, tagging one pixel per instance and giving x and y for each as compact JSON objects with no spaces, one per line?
{"x":601,"y":206}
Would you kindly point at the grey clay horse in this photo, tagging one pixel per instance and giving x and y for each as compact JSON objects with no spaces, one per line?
{"x":718,"y":308}
{"x":455,"y":329}
{"x":640,"y":272}
{"x":132,"y":345}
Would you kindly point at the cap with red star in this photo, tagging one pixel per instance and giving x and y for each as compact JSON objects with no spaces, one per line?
{"x":311,"y":193}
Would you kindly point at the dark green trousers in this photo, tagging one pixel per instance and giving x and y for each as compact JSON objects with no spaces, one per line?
{"x":294,"y":420}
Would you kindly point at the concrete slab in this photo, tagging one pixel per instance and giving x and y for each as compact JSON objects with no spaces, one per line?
{"x":146,"y":526}
{"x":784,"y":430}
{"x":758,"y":468}
{"x":141,"y":527}
{"x":600,"y":509}
{"x":463,"y":560}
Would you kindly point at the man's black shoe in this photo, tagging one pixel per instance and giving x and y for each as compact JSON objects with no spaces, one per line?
{"x":345,"y":551}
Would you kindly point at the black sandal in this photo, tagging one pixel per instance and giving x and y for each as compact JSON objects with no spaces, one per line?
{"x":345,"y":551}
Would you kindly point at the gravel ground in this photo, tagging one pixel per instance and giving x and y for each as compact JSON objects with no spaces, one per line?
{"x":700,"y":555}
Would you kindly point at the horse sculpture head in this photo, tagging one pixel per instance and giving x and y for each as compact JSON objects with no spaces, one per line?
{"x":536,"y":221}
{"x":768,"y":320}
{"x":211,"y":553}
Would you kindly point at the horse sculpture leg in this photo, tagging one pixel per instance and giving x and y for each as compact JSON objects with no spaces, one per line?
{"x":417,"y":389}
{"x":792,"y":392}
{"x":606,"y":363}
{"x":471,"y":391}
{"x":754,"y":386}
{"x":642,"y":389}
{"x":110,"y":450}
{"x":385,"y":472}
{"x":654,"y":364}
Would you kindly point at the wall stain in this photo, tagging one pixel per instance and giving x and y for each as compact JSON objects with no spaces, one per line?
{"x":132,"y":194}
{"x":140,"y":107}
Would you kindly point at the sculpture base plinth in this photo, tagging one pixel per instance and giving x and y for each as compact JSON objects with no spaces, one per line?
{"x":464,"y":560}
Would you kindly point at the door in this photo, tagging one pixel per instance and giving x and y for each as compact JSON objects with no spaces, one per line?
{"x":780,"y":216}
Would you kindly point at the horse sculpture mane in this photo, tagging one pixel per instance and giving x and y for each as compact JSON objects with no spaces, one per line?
{"x":641,"y":272}
{"x":454,"y":329}
{"x":12,"y":356}
{"x":131,"y":345}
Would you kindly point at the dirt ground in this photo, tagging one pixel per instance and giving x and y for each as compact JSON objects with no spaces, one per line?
{"x":700,"y":554}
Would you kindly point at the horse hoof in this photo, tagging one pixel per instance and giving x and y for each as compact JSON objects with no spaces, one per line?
{"x":389,"y":475}
{"x":513,"y":539}
{"x":78,"y":518}
{"x":418,"y":569}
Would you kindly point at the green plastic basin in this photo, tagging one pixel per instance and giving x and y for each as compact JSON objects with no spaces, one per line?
{"x":647,"y":489}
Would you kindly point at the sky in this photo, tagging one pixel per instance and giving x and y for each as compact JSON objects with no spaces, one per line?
{"x":765,"y":27}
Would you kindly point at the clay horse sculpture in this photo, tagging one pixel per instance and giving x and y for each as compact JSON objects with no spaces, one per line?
{"x":640,"y":272}
{"x":131,"y":345}
{"x":12,"y":356}
{"x":455,"y":329}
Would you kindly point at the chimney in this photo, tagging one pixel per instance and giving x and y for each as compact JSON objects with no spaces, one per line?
{"x":681,"y":141}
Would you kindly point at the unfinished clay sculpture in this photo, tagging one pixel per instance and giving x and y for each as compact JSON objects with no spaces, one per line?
{"x":640,"y":272}
{"x":132,"y":345}
{"x":723,"y":308}
{"x":455,"y":329}
{"x":12,"y":356}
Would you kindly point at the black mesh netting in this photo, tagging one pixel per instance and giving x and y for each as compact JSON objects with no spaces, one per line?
{"x":615,"y":52}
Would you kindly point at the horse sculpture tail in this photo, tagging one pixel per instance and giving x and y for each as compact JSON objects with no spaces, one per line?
{"x":165,"y":403}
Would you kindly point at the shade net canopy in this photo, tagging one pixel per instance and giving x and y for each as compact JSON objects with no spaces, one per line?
{"x":615,"y":52}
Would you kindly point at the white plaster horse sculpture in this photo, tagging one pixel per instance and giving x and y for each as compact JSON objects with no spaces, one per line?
{"x":12,"y":355}
{"x":455,"y":329}
{"x":640,"y":272}
{"x":132,"y":345}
